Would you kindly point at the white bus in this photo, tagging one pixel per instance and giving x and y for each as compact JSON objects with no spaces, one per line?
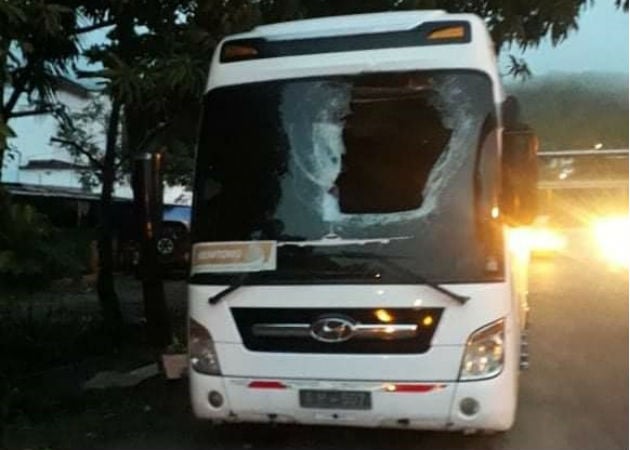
{"x":354,"y":184}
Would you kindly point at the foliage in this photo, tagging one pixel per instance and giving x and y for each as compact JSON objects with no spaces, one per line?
{"x":576,"y":111}
{"x":81,"y":133}
{"x":29,"y":252}
{"x":36,"y":340}
{"x":37,"y":45}
{"x":40,"y":338}
{"x":518,"y":68}
{"x":156,"y":74}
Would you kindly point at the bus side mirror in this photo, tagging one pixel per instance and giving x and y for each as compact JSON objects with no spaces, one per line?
{"x":519,"y":196}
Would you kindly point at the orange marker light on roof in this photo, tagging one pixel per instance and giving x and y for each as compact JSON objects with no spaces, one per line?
{"x":453,"y":32}
{"x":233,"y":52}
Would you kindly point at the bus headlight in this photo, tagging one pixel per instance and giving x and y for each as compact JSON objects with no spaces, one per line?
{"x":483,"y":356}
{"x":202,"y":354}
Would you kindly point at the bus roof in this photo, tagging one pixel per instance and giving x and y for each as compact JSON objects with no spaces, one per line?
{"x":347,"y":25}
{"x":476,"y":53}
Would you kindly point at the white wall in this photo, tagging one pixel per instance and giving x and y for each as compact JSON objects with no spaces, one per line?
{"x":32,"y":141}
{"x":62,"y":178}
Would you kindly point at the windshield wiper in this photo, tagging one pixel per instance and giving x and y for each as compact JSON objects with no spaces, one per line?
{"x":334,"y":240}
{"x":237,"y":283}
{"x":386,"y":261}
{"x":397,"y":267}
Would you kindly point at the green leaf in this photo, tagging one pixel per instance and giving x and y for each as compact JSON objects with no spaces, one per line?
{"x":6,"y":131}
{"x":11,"y":13}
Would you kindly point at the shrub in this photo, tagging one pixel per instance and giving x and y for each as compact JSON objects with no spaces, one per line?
{"x":30,"y":250}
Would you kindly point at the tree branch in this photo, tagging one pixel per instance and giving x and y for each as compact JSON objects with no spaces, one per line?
{"x":14,"y":58}
{"x":79,"y":149}
{"x":121,"y":161}
{"x":17,"y":90}
{"x":152,"y":133}
{"x":94,"y":26}
{"x":31,"y":112}
{"x":89,"y":74}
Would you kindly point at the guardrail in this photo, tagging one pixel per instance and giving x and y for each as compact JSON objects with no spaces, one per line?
{"x":588,"y":181}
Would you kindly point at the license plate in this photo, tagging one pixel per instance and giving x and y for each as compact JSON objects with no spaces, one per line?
{"x":317,"y":399}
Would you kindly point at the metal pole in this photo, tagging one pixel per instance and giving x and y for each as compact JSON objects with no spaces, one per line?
{"x":147,"y":185}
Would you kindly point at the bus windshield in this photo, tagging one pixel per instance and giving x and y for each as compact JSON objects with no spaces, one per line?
{"x":388,"y":158}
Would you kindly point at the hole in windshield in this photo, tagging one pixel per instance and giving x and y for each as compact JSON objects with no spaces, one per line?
{"x":393,"y":137}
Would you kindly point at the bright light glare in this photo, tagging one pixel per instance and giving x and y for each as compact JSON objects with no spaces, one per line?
{"x":545,"y":240}
{"x":540,"y":240}
{"x":613,"y":237}
{"x":383,"y":315}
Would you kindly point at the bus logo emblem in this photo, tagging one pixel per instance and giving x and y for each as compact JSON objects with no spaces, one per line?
{"x":333,"y":329}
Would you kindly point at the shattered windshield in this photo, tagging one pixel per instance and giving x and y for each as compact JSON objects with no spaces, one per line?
{"x":363,"y":157}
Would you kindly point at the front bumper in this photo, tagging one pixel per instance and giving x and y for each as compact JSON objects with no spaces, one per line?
{"x":436,"y":408}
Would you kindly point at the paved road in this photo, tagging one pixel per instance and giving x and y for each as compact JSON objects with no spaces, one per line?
{"x":575,"y":396}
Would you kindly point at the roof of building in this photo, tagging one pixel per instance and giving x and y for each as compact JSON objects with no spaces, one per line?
{"x":52,"y":164}
{"x":37,"y":190}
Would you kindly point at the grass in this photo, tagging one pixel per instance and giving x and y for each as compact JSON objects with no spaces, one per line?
{"x":47,"y":408}
{"x":52,"y":342}
{"x":98,"y":418}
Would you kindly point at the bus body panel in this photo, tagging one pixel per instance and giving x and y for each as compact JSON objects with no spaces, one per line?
{"x":441,"y":363}
{"x":487,"y":303}
{"x":429,"y":410}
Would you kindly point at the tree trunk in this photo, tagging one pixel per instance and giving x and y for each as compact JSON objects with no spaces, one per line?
{"x":137,"y":123}
{"x":3,"y":120}
{"x":3,"y":143}
{"x":147,"y":194}
{"x":147,"y":187}
{"x":110,"y":306}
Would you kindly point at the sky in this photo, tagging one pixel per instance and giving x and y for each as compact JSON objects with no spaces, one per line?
{"x":599,"y":45}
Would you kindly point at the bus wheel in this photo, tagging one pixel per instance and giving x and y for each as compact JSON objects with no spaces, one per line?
{"x":524,"y":358}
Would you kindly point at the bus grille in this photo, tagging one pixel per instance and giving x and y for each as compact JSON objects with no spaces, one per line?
{"x":337,"y":330}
